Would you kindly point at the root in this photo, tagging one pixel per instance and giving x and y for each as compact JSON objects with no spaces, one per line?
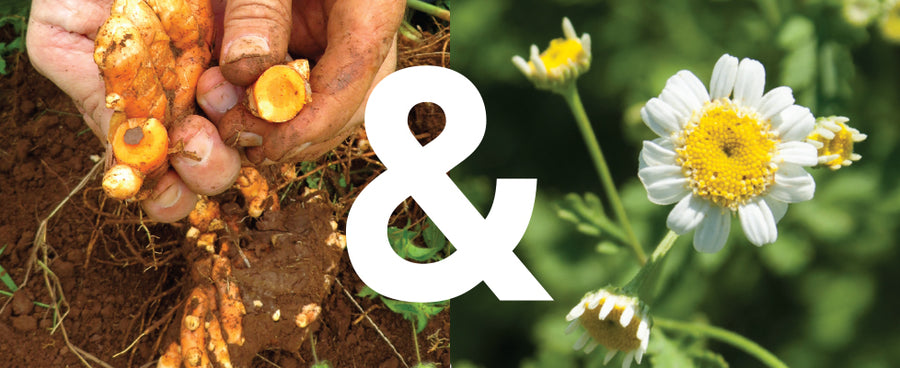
{"x":388,"y":341}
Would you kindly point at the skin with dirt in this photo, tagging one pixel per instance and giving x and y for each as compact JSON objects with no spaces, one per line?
{"x":121,"y":280}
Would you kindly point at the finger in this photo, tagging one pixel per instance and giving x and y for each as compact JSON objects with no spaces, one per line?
{"x":255,"y":37}
{"x":358,"y":45}
{"x":171,"y":200}
{"x":207,"y":166}
{"x":60,"y":46}
{"x":239,"y":128}
{"x":215,"y":95}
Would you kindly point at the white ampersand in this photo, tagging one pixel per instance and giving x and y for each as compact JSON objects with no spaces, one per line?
{"x":484,"y":246}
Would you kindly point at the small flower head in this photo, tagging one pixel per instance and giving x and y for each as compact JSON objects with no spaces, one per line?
{"x":834,"y":140}
{"x":561,"y":63}
{"x":618,"y":322}
{"x":732,"y":150}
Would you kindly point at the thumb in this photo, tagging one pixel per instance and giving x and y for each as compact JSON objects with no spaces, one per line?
{"x":256,"y":34}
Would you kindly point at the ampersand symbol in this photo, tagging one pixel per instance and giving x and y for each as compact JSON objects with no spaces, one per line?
{"x":484,"y":246}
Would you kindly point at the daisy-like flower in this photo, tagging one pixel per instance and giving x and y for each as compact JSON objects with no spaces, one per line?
{"x":834,"y":140}
{"x":730,"y":151}
{"x":618,"y":322}
{"x":563,"y":61}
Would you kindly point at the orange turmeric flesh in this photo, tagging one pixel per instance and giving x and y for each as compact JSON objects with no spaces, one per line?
{"x":142,"y":144}
{"x":280,"y":92}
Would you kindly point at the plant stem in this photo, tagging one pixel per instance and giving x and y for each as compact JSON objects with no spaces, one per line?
{"x":723,"y":335}
{"x":590,"y":140}
{"x":638,"y":284}
{"x":429,"y":9}
{"x":416,"y":342}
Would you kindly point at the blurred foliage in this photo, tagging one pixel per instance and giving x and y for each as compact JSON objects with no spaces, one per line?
{"x":13,"y":16}
{"x":823,"y":295}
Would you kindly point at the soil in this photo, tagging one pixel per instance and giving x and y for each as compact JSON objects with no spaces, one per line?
{"x":120,"y":281}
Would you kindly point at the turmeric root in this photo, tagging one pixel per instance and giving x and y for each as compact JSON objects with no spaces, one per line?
{"x":122,"y":182}
{"x":171,"y":358}
{"x":280,"y":92}
{"x":135,"y":50}
{"x":216,"y":343}
{"x":231,"y":308}
{"x":193,"y":331}
{"x":255,"y":190}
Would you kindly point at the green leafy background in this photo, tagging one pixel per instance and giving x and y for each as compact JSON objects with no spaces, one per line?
{"x":824,"y":295}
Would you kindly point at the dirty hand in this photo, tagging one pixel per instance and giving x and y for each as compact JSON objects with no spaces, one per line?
{"x":351,"y":44}
{"x":60,"y":44}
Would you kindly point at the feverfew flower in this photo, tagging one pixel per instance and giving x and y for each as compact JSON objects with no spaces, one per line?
{"x":618,"y":322}
{"x":730,"y":151}
{"x":834,"y":140}
{"x":561,"y":64}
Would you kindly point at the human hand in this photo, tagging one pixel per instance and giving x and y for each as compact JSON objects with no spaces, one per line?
{"x":352,"y":45}
{"x":60,"y":44}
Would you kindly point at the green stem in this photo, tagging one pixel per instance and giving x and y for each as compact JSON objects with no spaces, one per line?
{"x":637,"y":284}
{"x":590,"y":139}
{"x":723,"y":335}
{"x":416,"y":342}
{"x":434,"y":11}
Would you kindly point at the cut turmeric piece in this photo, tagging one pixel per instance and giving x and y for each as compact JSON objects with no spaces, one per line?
{"x":142,"y":144}
{"x":280,"y":92}
{"x":122,"y":182}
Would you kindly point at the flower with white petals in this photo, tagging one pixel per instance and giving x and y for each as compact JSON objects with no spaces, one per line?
{"x":834,"y":139}
{"x":618,"y":322}
{"x":732,"y":150}
{"x":563,"y":61}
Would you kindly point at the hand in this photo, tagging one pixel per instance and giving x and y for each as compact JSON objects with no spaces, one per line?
{"x":351,"y":44}
{"x":60,"y":45}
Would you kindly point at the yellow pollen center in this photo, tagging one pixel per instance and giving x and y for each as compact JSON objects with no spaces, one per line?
{"x":560,"y":52}
{"x":608,"y":332}
{"x":726,"y":152}
{"x":841,"y":145}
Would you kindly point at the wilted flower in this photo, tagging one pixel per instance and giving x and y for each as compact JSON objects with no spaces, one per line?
{"x":732,"y":150}
{"x":618,"y":322}
{"x":834,"y":140}
{"x":563,"y":61}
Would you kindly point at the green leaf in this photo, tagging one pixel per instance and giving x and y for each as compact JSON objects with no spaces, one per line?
{"x":4,"y":276}
{"x":666,"y":353}
{"x":586,"y":213}
{"x":433,"y":236}
{"x":419,"y":313}
{"x":367,"y":292}
{"x":401,"y":240}
{"x":796,"y":31}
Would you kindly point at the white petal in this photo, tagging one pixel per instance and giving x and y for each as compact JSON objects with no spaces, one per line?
{"x":655,"y":154}
{"x":679,"y":93}
{"x":792,"y":184}
{"x":609,"y":355}
{"x":582,"y":341}
{"x":576,"y":312}
{"x":643,"y":332}
{"x":594,"y":301}
{"x":758,"y":222}
{"x":627,"y":315}
{"x":661,"y":118}
{"x":591,"y":346}
{"x":626,"y":361}
{"x":586,"y":43}
{"x":536,"y":60}
{"x":775,"y":101}
{"x":568,"y":30}
{"x":687,"y":214}
{"x":794,"y":123}
{"x":520,"y":63}
{"x":750,"y":82}
{"x":571,"y":327}
{"x":798,"y":153}
{"x":723,"y":76}
{"x":665,"y":183}
{"x":607,"y":307}
{"x":778,"y":208}
{"x":712,"y":233}
{"x":638,"y":355}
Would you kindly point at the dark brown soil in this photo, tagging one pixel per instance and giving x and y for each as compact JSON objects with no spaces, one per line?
{"x":120,"y":281}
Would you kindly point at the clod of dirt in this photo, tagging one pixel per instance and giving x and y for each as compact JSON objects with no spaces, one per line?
{"x":291,"y":266}
{"x":22,"y":303}
{"x":24,"y":323}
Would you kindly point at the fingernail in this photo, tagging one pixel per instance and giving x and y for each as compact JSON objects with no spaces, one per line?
{"x":198,"y":148}
{"x":247,"y":139}
{"x":221,"y":99}
{"x":169,"y":197}
{"x":245,"y":46}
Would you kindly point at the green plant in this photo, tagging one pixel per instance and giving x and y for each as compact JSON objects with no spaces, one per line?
{"x":17,"y":45}
{"x":4,"y":277}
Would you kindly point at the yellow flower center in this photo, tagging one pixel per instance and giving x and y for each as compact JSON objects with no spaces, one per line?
{"x":608,"y":332}
{"x":560,"y":52}
{"x":841,"y":145}
{"x":726,"y":152}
